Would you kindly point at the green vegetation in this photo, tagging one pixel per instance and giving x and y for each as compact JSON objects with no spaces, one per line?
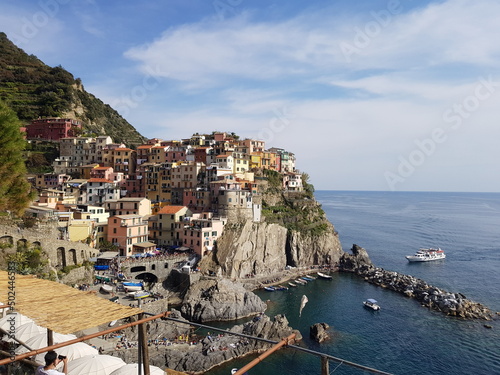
{"x":274,"y":179}
{"x":33,"y":89}
{"x":30,"y":260}
{"x":40,"y":155}
{"x":15,"y":191}
{"x":297,"y":212}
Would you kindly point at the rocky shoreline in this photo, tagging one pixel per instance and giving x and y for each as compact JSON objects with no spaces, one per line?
{"x":451,"y":304}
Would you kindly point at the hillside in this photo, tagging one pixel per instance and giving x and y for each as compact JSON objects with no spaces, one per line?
{"x":33,"y":89}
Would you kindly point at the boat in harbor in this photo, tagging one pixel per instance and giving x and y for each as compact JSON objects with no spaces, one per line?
{"x":141,"y":295}
{"x":106,"y":288}
{"x":301,"y":282}
{"x":292,"y":284}
{"x":132,"y":287}
{"x":324,"y":276}
{"x":426,"y":255}
{"x":371,"y":304}
{"x":270,"y":288}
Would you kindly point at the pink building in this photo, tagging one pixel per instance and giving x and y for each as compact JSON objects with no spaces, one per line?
{"x":130,"y":234}
{"x":201,"y":232}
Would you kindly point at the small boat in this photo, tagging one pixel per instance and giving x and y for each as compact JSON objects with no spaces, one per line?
{"x":270,"y":288}
{"x":129,"y":283}
{"x":281,"y":287}
{"x":133,"y":288}
{"x":372,"y":304}
{"x":141,"y":295}
{"x":106,"y":288}
{"x":306,"y":278}
{"x":292,"y":284}
{"x":301,"y":282}
{"x":324,"y":276}
{"x":426,"y":255}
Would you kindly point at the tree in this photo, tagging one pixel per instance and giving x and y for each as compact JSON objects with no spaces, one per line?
{"x":15,"y":190}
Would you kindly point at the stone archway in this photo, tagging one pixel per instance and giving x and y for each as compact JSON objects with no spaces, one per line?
{"x":72,"y":257}
{"x":61,"y":257}
{"x":7,"y":240}
{"x":138,"y":269}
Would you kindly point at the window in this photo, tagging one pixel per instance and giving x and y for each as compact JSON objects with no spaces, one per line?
{"x":114,"y":230}
{"x":214,"y":233}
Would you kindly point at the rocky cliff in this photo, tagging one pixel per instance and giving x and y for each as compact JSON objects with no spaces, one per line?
{"x":209,"y":300}
{"x":294,"y":232}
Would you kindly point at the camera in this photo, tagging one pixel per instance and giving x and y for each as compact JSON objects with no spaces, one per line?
{"x":62,"y":357}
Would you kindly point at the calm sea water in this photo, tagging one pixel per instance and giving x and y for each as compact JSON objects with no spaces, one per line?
{"x":402,"y":338}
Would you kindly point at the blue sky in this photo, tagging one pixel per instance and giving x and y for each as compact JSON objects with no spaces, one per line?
{"x":369,"y":95}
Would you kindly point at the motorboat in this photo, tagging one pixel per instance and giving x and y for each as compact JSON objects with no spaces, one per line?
{"x":292,"y":284}
{"x":324,"y":276}
{"x":270,"y":288}
{"x":426,"y":255}
{"x":372,"y":304}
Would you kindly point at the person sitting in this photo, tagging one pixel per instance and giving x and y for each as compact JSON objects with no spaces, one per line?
{"x":51,"y":362}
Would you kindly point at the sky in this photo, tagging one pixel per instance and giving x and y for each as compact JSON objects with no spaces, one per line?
{"x":397,"y":95}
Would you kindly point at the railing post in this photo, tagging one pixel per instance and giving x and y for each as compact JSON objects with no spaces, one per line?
{"x":324,"y":366}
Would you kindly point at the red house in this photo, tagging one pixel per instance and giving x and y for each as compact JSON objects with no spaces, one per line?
{"x":52,"y":128}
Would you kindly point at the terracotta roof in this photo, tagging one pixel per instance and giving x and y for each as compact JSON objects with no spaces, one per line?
{"x":170,"y":209}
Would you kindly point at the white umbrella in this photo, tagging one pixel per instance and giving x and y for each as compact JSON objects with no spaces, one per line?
{"x":27,"y":331}
{"x":73,"y":351}
{"x":131,"y":369}
{"x":13,"y":320}
{"x":95,"y":365}
{"x":40,"y":341}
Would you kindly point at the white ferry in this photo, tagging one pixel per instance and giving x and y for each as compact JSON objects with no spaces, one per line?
{"x":426,"y":255}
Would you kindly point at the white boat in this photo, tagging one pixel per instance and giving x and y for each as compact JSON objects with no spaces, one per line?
{"x":324,"y":276}
{"x":292,"y":284}
{"x":426,"y":255}
{"x":133,"y":288}
{"x":372,"y":304}
{"x":106,"y":288}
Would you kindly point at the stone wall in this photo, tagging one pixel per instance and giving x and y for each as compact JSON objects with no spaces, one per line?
{"x":61,"y":253}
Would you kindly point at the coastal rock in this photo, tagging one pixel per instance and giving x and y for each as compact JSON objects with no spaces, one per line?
{"x":216,"y":349}
{"x":209,"y":300}
{"x":319,"y":332}
{"x":264,"y":249}
{"x":352,"y":262}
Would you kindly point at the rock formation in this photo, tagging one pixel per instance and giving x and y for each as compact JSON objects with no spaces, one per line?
{"x":319,"y":332}
{"x":217,"y":349}
{"x":352,"y":262}
{"x":263,"y":249}
{"x":209,"y":300}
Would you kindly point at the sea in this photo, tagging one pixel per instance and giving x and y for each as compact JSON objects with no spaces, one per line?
{"x":403,"y":337}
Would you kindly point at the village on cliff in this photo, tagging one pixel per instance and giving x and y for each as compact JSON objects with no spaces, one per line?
{"x":175,"y":194}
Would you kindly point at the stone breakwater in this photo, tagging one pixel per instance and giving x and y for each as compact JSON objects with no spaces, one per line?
{"x":452,"y":304}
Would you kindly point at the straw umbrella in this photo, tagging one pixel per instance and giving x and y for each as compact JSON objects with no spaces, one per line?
{"x":95,"y":365}
{"x":132,"y":369}
{"x":73,"y":351}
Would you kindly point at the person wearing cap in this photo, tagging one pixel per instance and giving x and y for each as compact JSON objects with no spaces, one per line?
{"x":51,"y":362}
